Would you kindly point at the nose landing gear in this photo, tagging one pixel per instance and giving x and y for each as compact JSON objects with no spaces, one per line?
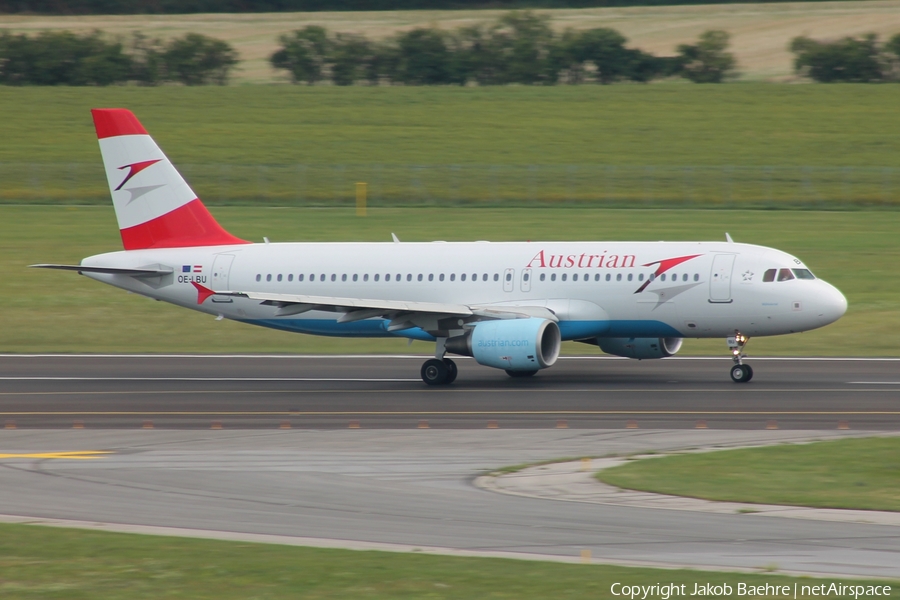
{"x":740,"y":373}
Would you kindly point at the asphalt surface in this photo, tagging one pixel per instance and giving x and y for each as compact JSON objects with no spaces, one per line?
{"x":385,"y":392}
{"x":412,"y":489}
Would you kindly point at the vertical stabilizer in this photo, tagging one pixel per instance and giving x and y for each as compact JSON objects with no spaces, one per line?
{"x":155,"y":206}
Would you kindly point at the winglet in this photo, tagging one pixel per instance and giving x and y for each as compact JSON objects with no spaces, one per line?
{"x":202,"y":292}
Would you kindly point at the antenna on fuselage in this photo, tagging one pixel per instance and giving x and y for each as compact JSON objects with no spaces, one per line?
{"x":728,"y":238}
{"x":395,"y":238}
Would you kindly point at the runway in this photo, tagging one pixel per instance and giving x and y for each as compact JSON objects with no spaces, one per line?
{"x":337,"y":392}
{"x":374,"y":458}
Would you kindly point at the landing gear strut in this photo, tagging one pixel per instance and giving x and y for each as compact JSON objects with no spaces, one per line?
{"x":439,"y":370}
{"x":740,"y":373}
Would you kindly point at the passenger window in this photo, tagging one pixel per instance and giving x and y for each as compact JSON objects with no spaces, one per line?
{"x":524,"y":276}
{"x":355,"y":277}
{"x":398,"y":277}
{"x":564,"y":276}
{"x":322,"y":277}
{"x":300,"y":277}
{"x":618,"y":277}
{"x":474,"y":276}
{"x":269,"y":277}
{"x":344,"y":277}
{"x":684,"y":277}
{"x":597,"y":277}
{"x":484,"y":277}
{"x":377,"y":275}
{"x":662,"y":277}
{"x":452,"y":276}
{"x":553,"y":277}
{"x":441,"y":277}
{"x":431,"y":277}
{"x":419,"y":277}
{"x":630,"y":277}
{"x":279,"y":277}
{"x":387,"y":277}
{"x":496,"y":277}
{"x":333,"y":277}
{"x":640,"y":277}
{"x":803,"y":274}
{"x":462,"y":277}
{"x":258,"y":277}
{"x":769,"y":275}
{"x":409,"y":276}
{"x":509,"y":276}
{"x":290,"y":277}
{"x":785,"y":275}
{"x":608,"y":277}
{"x":696,"y":276}
{"x":574,"y":276}
{"x":543,"y":277}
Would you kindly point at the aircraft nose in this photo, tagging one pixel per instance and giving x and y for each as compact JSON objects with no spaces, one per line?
{"x":832,"y":302}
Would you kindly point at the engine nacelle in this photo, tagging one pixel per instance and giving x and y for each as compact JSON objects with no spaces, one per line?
{"x":512,"y":344}
{"x":640,"y":347}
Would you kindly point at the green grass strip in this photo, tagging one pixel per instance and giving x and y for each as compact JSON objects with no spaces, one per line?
{"x":853,"y":473}
{"x":664,"y":145}
{"x":72,"y":564}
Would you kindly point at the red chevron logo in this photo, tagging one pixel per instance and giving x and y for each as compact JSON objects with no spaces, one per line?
{"x":135,"y":168}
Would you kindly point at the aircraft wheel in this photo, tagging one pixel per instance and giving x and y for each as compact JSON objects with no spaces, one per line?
{"x":520,"y":373}
{"x":434,"y":372}
{"x":452,"y":371}
{"x":741,"y":373}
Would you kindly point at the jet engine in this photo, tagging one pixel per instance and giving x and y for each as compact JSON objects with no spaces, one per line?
{"x":513,"y":344}
{"x":640,"y":348}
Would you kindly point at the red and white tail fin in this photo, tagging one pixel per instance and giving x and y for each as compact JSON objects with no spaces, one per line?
{"x":155,"y":206}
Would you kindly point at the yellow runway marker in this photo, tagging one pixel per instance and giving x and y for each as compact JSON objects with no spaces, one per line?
{"x":78,"y":455}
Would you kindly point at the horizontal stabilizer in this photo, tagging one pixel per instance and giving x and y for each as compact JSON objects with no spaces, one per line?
{"x":156,"y":271}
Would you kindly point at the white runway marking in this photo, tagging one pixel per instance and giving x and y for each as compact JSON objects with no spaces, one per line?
{"x":874,"y":382}
{"x":306,"y":379}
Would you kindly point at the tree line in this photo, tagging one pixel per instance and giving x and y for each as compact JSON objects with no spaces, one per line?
{"x":520,"y":47}
{"x":66,"y":58}
{"x":854,"y":60}
{"x":123,"y":7}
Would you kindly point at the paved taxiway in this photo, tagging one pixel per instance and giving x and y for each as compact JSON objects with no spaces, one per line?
{"x":332,"y":392}
{"x":413,"y":488}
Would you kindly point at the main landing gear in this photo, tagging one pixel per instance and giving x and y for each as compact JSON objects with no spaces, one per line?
{"x":740,"y":373}
{"x":439,"y":371}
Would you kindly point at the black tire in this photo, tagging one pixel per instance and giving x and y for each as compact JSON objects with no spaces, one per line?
{"x":452,"y":371}
{"x":434,"y":372}
{"x":741,"y":373}
{"x":520,"y":373}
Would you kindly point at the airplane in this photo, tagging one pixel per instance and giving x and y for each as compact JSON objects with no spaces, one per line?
{"x":508,"y":305}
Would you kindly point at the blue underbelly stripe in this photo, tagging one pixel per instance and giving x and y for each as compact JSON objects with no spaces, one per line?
{"x":569,"y":330}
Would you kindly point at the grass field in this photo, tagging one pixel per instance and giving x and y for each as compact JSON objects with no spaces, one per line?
{"x":62,"y":312}
{"x":761,"y":32}
{"x":747,"y":145}
{"x":44,"y":562}
{"x":855,"y":473}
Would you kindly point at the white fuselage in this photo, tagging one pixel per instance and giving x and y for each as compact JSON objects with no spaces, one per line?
{"x":595,"y":289}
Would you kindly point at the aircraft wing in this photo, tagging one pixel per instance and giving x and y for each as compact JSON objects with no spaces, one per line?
{"x":430,"y":316}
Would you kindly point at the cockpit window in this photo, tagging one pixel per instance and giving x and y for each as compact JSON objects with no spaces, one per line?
{"x":785,"y":275}
{"x":769,"y":275}
{"x":803,"y":274}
